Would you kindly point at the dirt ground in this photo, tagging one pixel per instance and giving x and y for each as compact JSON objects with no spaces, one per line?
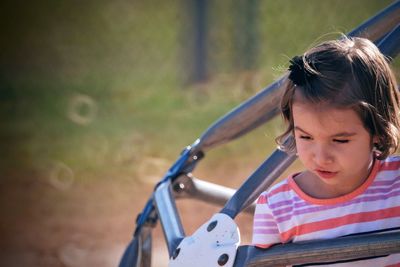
{"x":83,"y":224}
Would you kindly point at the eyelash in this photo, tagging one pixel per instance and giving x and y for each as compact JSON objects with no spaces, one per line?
{"x":340,"y":141}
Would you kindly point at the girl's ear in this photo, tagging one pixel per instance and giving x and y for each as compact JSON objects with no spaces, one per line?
{"x":375,"y":140}
{"x":375,"y":144}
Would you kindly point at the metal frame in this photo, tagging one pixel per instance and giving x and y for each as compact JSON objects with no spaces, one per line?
{"x":178,"y":182}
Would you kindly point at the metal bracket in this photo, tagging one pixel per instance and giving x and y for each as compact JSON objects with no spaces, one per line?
{"x":214,"y":244}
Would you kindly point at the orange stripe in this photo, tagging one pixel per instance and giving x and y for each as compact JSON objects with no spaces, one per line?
{"x":263,"y":245}
{"x":283,"y":188}
{"x":262,"y":199}
{"x":390,"y":166}
{"x":340,"y":221}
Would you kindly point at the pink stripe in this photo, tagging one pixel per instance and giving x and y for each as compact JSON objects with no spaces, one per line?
{"x":380,"y":190}
{"x":264,"y":224}
{"x":285,"y":210}
{"x":259,"y":216}
{"x":258,"y":231}
{"x":282,"y":203}
{"x":390,"y":166}
{"x":384,"y":185}
{"x":282,"y":215}
{"x":395,"y":181}
{"x":298,"y":203}
{"x":283,"y":188}
{"x":347,"y":219}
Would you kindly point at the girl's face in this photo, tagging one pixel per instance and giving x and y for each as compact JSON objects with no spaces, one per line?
{"x":333,"y":145}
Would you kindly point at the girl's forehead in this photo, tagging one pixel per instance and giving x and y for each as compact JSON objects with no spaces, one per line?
{"x":322,"y":106}
{"x":319,"y":99}
{"x":324,"y":115}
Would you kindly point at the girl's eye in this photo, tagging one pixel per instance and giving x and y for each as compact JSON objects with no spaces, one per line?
{"x":341,"y":141}
{"x":305,"y":137}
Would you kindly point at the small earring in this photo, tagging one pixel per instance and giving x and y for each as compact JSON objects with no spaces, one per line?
{"x":375,"y":150}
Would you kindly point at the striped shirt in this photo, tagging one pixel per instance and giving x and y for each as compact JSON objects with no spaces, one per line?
{"x":285,"y":213}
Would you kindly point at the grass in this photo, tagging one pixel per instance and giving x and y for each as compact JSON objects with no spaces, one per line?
{"x":119,"y":67}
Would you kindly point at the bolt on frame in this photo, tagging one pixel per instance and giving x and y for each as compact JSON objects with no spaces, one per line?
{"x":178,"y":182}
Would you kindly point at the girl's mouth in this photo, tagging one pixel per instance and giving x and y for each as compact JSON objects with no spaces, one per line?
{"x":326,"y":174}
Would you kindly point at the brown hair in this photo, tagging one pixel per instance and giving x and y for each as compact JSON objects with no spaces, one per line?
{"x":346,"y":73}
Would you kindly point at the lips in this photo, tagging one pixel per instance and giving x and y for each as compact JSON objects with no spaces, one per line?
{"x":326,"y":174}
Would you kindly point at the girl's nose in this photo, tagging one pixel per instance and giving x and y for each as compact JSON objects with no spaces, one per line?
{"x":322,"y":156}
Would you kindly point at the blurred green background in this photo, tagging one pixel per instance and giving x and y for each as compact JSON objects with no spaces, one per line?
{"x":98,"y":85}
{"x":92,"y":90}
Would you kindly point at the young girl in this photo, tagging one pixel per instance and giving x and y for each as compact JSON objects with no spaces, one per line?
{"x":341,"y":105}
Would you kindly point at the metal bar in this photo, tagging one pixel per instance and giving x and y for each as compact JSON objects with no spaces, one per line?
{"x":390,"y":44}
{"x":264,"y":105}
{"x":249,"y":115}
{"x":145,"y":246}
{"x":169,"y":216}
{"x":334,"y":249}
{"x":344,"y":248}
{"x":138,"y":252}
{"x":187,"y":186}
{"x":270,"y":170}
{"x":377,"y":26}
{"x":258,"y":182}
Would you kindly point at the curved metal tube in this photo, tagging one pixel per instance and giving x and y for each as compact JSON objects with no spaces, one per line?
{"x":264,"y":105}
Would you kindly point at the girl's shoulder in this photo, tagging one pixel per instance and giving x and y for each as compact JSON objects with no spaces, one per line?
{"x":280,"y":190}
{"x":389,"y":170}
{"x":391,"y":163}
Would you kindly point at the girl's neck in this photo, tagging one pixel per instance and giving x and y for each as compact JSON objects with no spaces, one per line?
{"x":312,"y":185}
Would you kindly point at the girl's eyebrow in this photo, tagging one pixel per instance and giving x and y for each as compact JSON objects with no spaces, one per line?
{"x":340,"y":134}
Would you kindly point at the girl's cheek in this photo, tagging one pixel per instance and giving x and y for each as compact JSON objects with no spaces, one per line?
{"x":302,"y":150}
{"x":301,"y":145}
